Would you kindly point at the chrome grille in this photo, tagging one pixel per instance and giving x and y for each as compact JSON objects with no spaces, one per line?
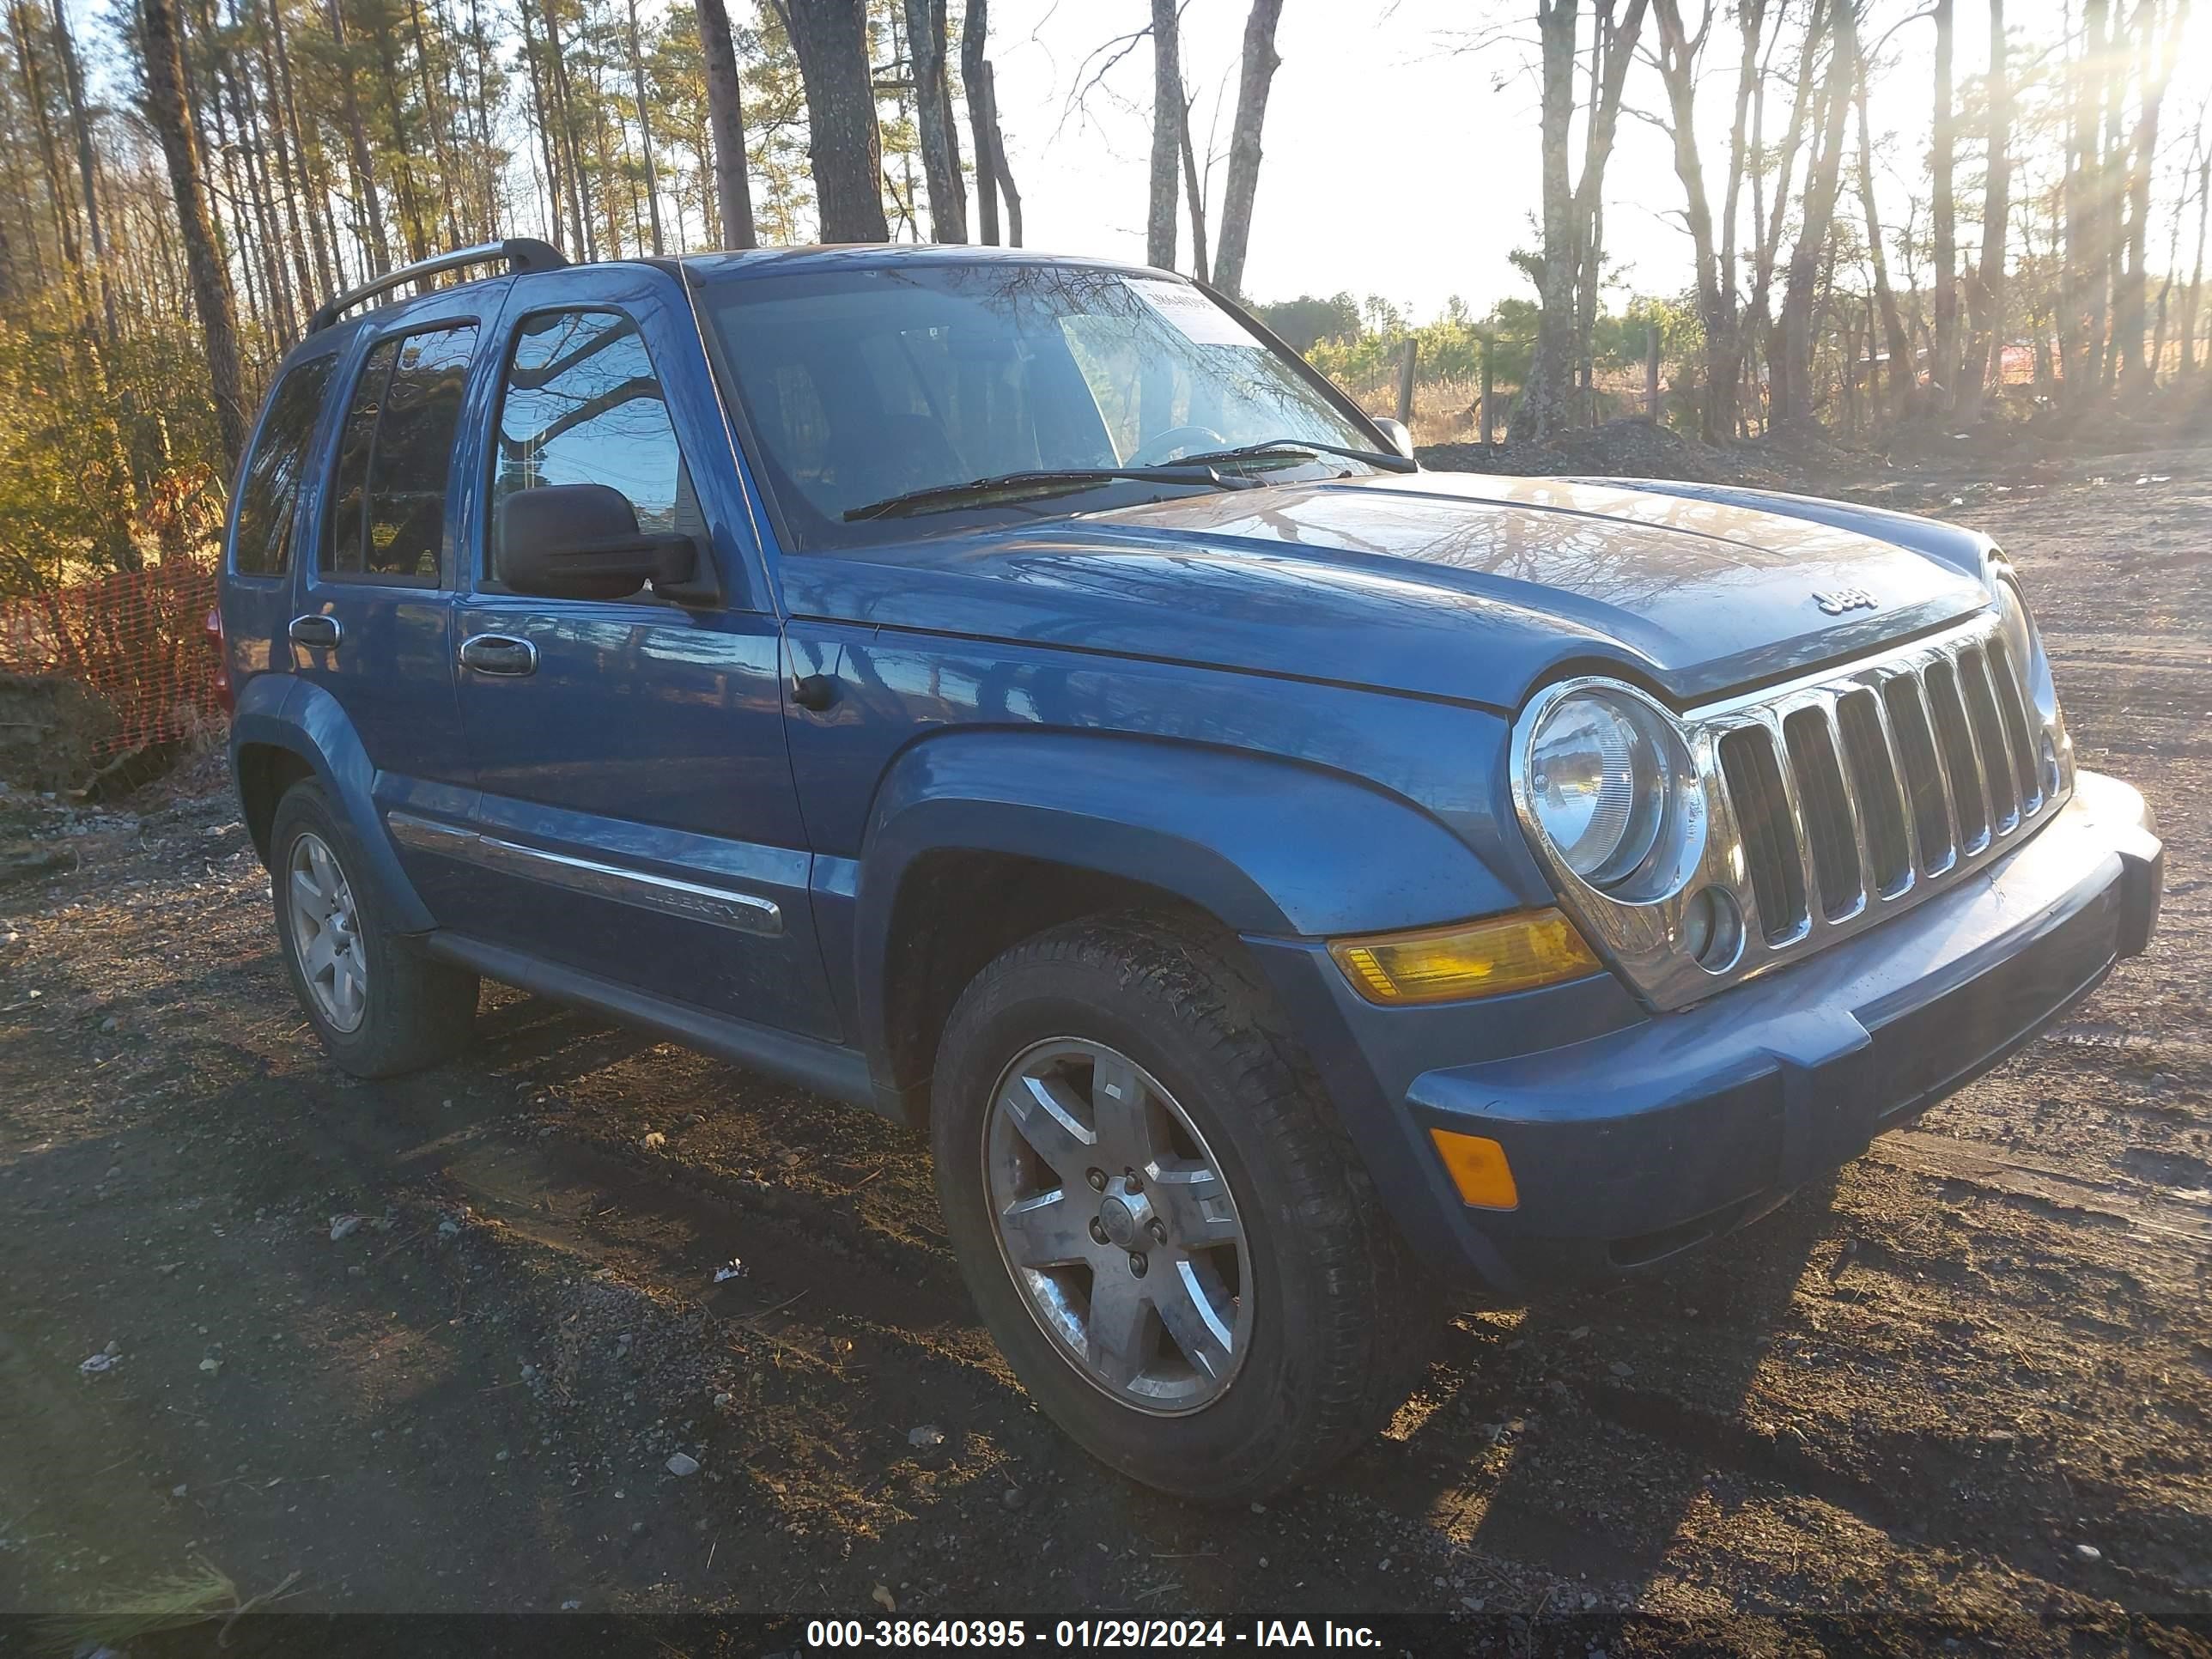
{"x":1839,"y":799}
{"x":1820,"y":778}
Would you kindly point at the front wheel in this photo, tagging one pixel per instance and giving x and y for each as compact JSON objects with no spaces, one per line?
{"x":1159,"y":1218}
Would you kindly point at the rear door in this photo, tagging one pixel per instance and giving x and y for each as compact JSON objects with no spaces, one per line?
{"x":375,"y":627}
{"x":638,"y":820}
{"x":271,"y":519}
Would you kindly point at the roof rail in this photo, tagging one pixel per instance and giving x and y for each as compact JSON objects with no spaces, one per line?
{"x":520,"y":253}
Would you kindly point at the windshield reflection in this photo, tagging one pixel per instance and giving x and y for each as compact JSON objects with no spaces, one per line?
{"x":864,"y":384}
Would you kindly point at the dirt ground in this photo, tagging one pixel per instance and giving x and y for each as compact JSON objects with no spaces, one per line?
{"x":430,"y":1345}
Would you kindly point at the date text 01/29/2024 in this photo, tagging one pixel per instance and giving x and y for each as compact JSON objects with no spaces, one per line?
{"x":829,"y":1634}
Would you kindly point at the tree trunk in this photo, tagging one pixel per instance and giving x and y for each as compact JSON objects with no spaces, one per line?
{"x":1195,"y":188}
{"x":364,"y":168}
{"x":291,"y":188}
{"x":974,"y":41}
{"x":831,"y":40}
{"x":80,"y":125}
{"x":1903,"y":381}
{"x":2084,"y":269}
{"x":1724,"y":351}
{"x":1768,"y":225}
{"x":1942,"y":153}
{"x":449,"y":183}
{"x":1985,"y":300}
{"x":34,"y":94}
{"x":2155,"y":58}
{"x":564,"y":109}
{"x":1790,"y":365}
{"x":1572,"y":212}
{"x":122,"y":493}
{"x":555,"y":224}
{"x":1547,"y":403}
{"x":2188,"y":300}
{"x":999,"y":167}
{"x":1167,"y":129}
{"x":260,"y":230}
{"x":1254,"y":82}
{"x":326,"y":274}
{"x":733,"y":189}
{"x":1678,"y":58}
{"x":645,"y":136}
{"x":934,"y":120}
{"x":403,"y":140}
{"x":165,"y":110}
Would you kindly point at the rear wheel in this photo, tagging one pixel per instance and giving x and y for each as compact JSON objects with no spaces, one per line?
{"x":1159,"y":1218}
{"x":379,"y":1004}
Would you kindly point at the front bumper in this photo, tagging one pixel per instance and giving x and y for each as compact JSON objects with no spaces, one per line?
{"x":1638,"y":1136}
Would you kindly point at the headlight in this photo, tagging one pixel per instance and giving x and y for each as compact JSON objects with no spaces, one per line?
{"x":1600,"y":770}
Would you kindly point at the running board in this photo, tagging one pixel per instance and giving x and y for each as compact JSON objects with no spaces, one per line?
{"x":828,"y":1068}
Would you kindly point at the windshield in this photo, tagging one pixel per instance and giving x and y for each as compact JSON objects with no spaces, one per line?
{"x":861,"y":385}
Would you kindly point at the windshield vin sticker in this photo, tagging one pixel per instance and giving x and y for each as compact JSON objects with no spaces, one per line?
{"x":1190,"y":313}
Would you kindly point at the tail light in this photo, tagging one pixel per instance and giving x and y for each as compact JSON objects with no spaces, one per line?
{"x":212,"y":628}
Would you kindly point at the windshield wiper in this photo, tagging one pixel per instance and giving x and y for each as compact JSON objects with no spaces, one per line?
{"x":940,"y":498}
{"x":1389,"y":460}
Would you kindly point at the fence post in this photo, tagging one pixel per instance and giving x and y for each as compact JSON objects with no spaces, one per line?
{"x":1489,"y":341}
{"x":1651,"y":372}
{"x":1406,"y":384}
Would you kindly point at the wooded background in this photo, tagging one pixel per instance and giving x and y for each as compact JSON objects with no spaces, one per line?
{"x":163,"y":245}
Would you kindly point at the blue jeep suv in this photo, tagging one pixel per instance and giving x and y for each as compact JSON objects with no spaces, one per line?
{"x":1017,"y":694}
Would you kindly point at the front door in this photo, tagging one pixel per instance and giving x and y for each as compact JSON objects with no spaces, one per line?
{"x":637,"y":821}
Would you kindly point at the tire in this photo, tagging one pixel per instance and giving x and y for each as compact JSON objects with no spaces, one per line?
{"x":1329,"y":1321}
{"x":410,"y":1011}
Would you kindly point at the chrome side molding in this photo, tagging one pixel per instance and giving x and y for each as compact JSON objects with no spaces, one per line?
{"x":745,"y":913}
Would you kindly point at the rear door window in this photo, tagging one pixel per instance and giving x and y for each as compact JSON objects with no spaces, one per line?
{"x":267,"y":500}
{"x":395,"y":461}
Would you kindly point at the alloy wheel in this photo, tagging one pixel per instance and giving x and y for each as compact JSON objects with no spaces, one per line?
{"x":326,"y":932}
{"x":1116,"y":1223}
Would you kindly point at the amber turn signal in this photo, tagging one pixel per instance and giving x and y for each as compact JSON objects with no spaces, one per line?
{"x":1467,"y":959}
{"x":1478,"y":1168}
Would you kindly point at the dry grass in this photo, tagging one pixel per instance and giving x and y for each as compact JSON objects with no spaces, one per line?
{"x":199,"y":1595}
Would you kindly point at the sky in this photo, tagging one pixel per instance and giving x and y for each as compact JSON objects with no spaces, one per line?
{"x":1400,"y":144}
{"x":1399,"y":161}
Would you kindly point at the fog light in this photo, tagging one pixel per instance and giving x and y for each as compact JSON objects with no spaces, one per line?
{"x":1478,"y":1168}
{"x":1469,"y":959}
{"x":1712,"y":930}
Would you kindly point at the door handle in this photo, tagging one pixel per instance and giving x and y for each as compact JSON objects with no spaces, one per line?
{"x":499,"y":654}
{"x":318,"y":631}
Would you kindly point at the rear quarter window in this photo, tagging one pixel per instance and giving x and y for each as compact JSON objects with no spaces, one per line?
{"x":269,"y":498}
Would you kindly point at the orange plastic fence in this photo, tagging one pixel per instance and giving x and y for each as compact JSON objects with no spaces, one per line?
{"x":136,"y":637}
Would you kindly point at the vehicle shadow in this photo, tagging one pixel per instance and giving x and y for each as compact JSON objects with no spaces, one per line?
{"x":1572,"y":1438}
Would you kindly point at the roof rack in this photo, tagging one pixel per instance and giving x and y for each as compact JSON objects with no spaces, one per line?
{"x":520,"y":253}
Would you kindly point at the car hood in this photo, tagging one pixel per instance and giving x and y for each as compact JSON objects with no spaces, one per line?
{"x":1459,"y":585}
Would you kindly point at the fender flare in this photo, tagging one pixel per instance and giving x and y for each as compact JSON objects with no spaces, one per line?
{"x":1267,"y":846}
{"x":284,"y":712}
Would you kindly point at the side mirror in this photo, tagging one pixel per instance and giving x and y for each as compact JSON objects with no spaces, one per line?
{"x":581,"y":541}
{"x":1400,"y":438}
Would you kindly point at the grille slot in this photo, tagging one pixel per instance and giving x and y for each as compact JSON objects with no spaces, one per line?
{"x":1924,"y":777}
{"x":1829,"y":824}
{"x":1957,"y":742}
{"x":1997,"y":775}
{"x":2011,"y":705}
{"x":1878,"y":789}
{"x":1753,"y":776}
